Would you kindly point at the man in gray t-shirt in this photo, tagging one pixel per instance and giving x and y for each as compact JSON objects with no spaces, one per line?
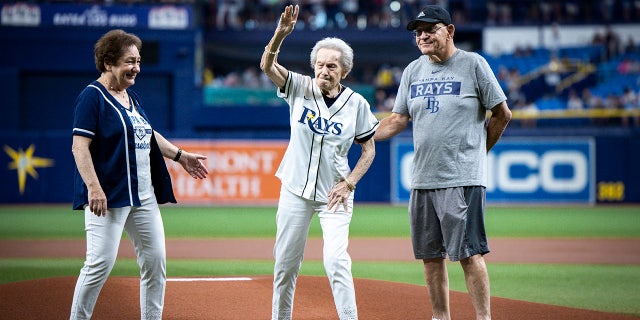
{"x":446,"y":92}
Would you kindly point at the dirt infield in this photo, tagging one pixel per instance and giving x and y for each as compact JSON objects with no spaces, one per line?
{"x":249,"y":297}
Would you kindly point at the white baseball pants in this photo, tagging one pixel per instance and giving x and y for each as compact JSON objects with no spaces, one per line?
{"x":145,"y":228}
{"x":293,"y":220}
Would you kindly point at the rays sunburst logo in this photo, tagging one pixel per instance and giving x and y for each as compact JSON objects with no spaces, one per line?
{"x":25,"y":163}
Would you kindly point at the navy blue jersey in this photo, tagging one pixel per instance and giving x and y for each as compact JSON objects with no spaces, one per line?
{"x":101,"y":118}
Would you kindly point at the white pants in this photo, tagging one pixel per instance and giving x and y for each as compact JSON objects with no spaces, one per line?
{"x":145,"y":228}
{"x":293,"y":219}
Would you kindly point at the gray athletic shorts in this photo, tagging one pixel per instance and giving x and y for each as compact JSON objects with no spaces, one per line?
{"x":448,"y":221}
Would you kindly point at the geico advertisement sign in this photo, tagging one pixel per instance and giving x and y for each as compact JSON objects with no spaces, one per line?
{"x":240,"y":172}
{"x":518,"y":169}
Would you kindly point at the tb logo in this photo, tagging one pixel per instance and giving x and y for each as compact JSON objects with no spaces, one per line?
{"x":432,"y":104}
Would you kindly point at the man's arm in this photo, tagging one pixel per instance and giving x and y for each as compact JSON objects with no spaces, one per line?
{"x":500,"y":117}
{"x":391,"y":125}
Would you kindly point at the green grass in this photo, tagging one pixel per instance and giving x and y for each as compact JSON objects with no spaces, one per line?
{"x":60,"y":222}
{"x":564,"y":222}
{"x":610,"y":288}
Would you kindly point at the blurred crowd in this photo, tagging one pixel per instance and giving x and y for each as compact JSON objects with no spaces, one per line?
{"x":361,"y":14}
{"x":251,"y":14}
{"x":618,"y":60}
{"x":386,"y":79}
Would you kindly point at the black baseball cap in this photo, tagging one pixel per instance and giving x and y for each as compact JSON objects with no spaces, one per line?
{"x":430,"y":14}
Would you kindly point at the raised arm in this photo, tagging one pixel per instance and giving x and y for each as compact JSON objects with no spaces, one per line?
{"x":269,"y":62}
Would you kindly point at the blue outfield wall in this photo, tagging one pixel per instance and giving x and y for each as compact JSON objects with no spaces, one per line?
{"x":46,"y":62}
{"x":47,"y":68}
{"x":38,"y":168}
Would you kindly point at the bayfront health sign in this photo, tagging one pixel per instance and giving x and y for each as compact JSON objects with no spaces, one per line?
{"x":241,"y":172}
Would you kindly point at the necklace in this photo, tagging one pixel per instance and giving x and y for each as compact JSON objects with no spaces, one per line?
{"x":122,"y":93}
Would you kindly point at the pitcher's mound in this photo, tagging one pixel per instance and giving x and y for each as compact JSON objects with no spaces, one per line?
{"x":248,"y":298}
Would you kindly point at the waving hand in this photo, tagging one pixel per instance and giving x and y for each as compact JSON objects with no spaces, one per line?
{"x":288,"y":20}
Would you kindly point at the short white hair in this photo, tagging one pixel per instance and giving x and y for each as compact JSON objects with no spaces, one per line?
{"x":335,"y":44}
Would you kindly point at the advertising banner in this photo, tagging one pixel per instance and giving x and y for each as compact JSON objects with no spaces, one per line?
{"x":167,"y":17}
{"x":542,"y":170}
{"x":39,"y":169}
{"x":241,"y":172}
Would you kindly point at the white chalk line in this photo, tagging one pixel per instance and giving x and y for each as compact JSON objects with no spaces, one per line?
{"x":209,"y":279}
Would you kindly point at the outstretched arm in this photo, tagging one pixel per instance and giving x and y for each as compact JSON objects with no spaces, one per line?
{"x":391,"y":125}
{"x":269,"y":63}
{"x":191,"y":162}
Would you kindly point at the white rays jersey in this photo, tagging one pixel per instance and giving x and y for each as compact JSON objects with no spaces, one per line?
{"x":321,"y":136}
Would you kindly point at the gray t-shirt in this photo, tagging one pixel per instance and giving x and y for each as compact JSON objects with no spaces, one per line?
{"x":448,"y":103}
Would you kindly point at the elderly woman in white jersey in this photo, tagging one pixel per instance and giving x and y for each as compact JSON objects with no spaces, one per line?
{"x":325,"y":118}
{"x":120,"y":177}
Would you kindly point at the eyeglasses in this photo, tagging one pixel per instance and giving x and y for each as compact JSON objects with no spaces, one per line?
{"x":418,"y":33}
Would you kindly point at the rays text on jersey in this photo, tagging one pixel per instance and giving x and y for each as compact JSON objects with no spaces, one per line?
{"x":319,"y":125}
{"x":422,"y":89}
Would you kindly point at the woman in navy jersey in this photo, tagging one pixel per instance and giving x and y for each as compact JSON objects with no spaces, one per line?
{"x":121,"y":177}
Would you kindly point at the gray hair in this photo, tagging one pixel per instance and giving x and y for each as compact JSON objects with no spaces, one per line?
{"x":335,"y":44}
